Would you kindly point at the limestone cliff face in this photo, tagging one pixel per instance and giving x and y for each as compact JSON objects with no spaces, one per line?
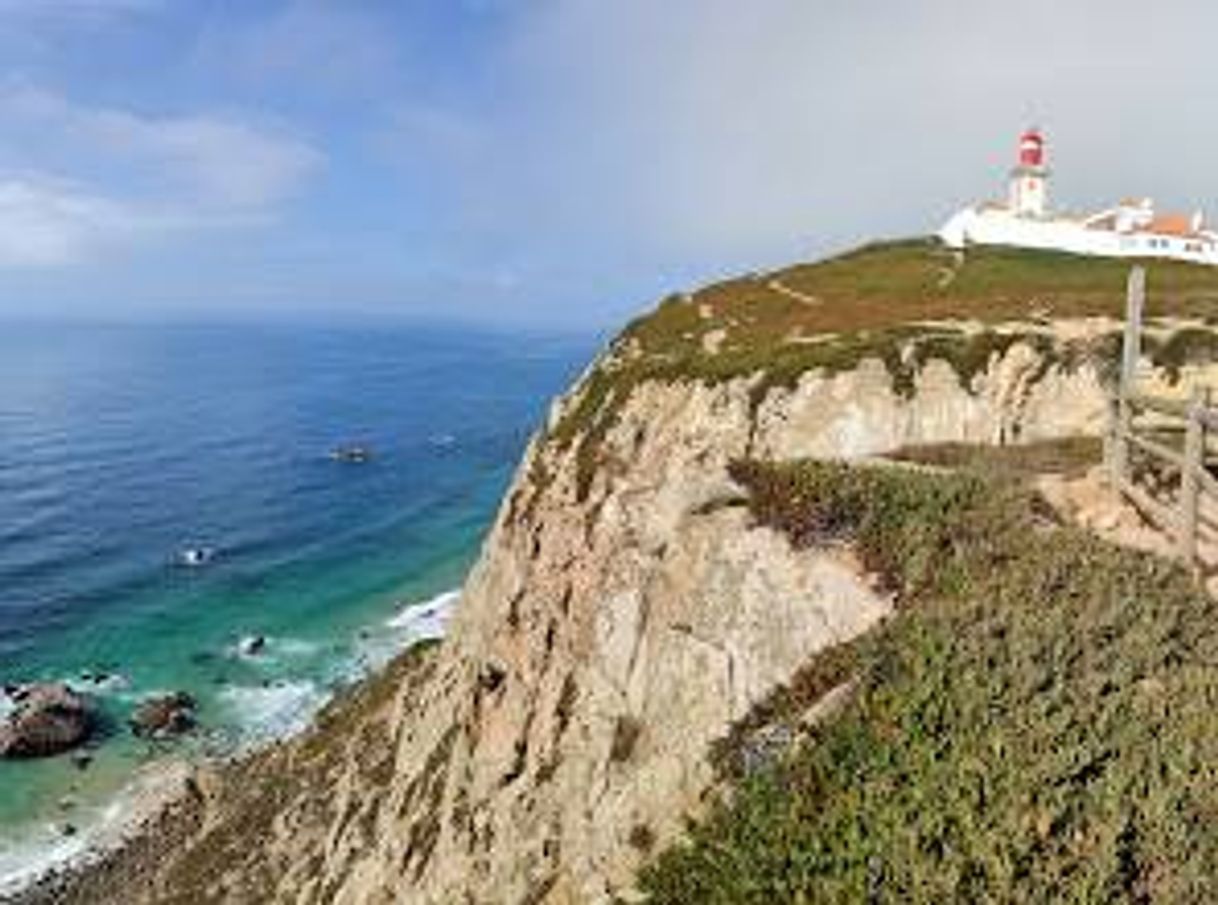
{"x":602,"y":644}
{"x":603,"y":641}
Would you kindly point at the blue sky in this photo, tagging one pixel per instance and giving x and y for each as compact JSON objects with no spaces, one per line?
{"x":544,"y":161}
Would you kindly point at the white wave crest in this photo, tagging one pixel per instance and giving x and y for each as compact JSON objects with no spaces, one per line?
{"x":30,"y":851}
{"x":428,"y":619}
{"x":412,"y":623}
{"x":39,"y":850}
{"x":103,"y":684}
{"x":272,"y":711}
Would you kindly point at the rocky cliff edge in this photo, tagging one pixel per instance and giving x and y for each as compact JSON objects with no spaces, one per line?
{"x":625,"y":611}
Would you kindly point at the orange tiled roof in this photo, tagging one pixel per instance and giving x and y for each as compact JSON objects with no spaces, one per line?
{"x":1171,"y":225}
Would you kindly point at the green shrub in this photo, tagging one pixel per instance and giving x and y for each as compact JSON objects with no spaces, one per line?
{"x":1036,"y":723}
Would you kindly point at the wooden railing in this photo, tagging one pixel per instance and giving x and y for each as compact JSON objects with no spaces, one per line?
{"x":1174,"y":419}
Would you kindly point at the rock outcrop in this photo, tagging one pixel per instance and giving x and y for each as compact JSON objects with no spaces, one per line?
{"x":164,"y":716}
{"x":606,"y":637}
{"x":625,"y":611}
{"x":625,"y":632}
{"x":47,"y":719}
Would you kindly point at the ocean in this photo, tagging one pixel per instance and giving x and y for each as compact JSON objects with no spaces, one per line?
{"x":121,"y":446}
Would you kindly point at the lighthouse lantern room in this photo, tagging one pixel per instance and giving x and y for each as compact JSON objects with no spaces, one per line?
{"x":1030,"y":178}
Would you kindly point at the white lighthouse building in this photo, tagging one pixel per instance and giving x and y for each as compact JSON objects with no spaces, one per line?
{"x":1130,"y":229}
{"x":1029,"y":189}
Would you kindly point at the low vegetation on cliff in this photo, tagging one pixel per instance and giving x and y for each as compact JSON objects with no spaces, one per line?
{"x":1035,"y":724}
{"x":903,"y":303}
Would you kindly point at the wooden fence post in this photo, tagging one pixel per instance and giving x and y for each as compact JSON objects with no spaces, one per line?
{"x":1190,"y":476}
{"x":1131,"y":350}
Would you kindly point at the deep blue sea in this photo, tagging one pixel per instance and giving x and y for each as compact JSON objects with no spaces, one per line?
{"x":122,"y":445}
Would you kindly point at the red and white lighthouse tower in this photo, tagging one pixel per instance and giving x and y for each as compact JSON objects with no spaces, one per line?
{"x":1029,"y":192}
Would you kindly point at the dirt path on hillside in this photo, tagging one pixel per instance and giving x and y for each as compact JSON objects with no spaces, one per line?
{"x":1089,"y":501}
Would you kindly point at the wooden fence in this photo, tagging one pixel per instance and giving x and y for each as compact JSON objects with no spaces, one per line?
{"x":1184,"y":424}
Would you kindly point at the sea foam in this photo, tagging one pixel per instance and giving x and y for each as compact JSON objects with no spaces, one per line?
{"x":412,"y":623}
{"x":429,"y":619}
{"x":30,"y":852}
{"x":34,"y":854}
{"x":263,"y":713}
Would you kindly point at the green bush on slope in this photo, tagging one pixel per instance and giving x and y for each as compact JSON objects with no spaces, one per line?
{"x":1038,"y":721}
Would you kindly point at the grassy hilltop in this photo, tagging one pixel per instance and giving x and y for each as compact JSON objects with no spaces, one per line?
{"x":889,"y":286}
{"x":904,"y":303}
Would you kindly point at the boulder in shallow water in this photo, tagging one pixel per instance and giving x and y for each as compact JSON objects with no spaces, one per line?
{"x":164,"y":716}
{"x":252,"y":645}
{"x":48,"y":719}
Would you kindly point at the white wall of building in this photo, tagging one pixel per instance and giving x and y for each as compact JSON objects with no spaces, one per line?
{"x":999,"y":226}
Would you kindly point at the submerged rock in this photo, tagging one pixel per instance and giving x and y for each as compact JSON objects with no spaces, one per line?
{"x":355,"y":453}
{"x":194,"y":557}
{"x":164,"y":716}
{"x":252,"y":646}
{"x":48,"y":719}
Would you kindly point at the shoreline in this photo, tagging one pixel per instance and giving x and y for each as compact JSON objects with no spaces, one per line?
{"x":153,"y":790}
{"x":158,"y":791}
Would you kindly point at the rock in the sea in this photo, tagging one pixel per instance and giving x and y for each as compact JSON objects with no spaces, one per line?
{"x":351,"y":453}
{"x":48,"y":719}
{"x":164,"y":716}
{"x":252,"y":645}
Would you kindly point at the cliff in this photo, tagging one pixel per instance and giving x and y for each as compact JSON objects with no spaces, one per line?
{"x":628,"y":613}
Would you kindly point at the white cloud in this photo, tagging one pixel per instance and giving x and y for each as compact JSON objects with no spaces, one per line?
{"x":225,"y":162}
{"x":92,"y":177}
{"x":703,"y":130}
{"x":45,"y":222}
{"x":216,"y":161}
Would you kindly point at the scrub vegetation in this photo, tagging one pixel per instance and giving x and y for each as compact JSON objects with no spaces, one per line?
{"x":1035,"y":723}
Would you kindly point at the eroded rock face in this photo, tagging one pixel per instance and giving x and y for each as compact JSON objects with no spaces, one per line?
{"x":859,"y":413}
{"x":627,"y":631}
{"x":46,"y":719}
{"x":602,"y":644}
{"x":604,"y":641}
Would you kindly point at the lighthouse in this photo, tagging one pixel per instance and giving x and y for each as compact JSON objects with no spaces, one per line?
{"x":1029,"y":188}
{"x":1130,"y":229}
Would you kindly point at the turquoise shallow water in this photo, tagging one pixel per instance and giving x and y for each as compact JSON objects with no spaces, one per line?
{"x":120,"y":445}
